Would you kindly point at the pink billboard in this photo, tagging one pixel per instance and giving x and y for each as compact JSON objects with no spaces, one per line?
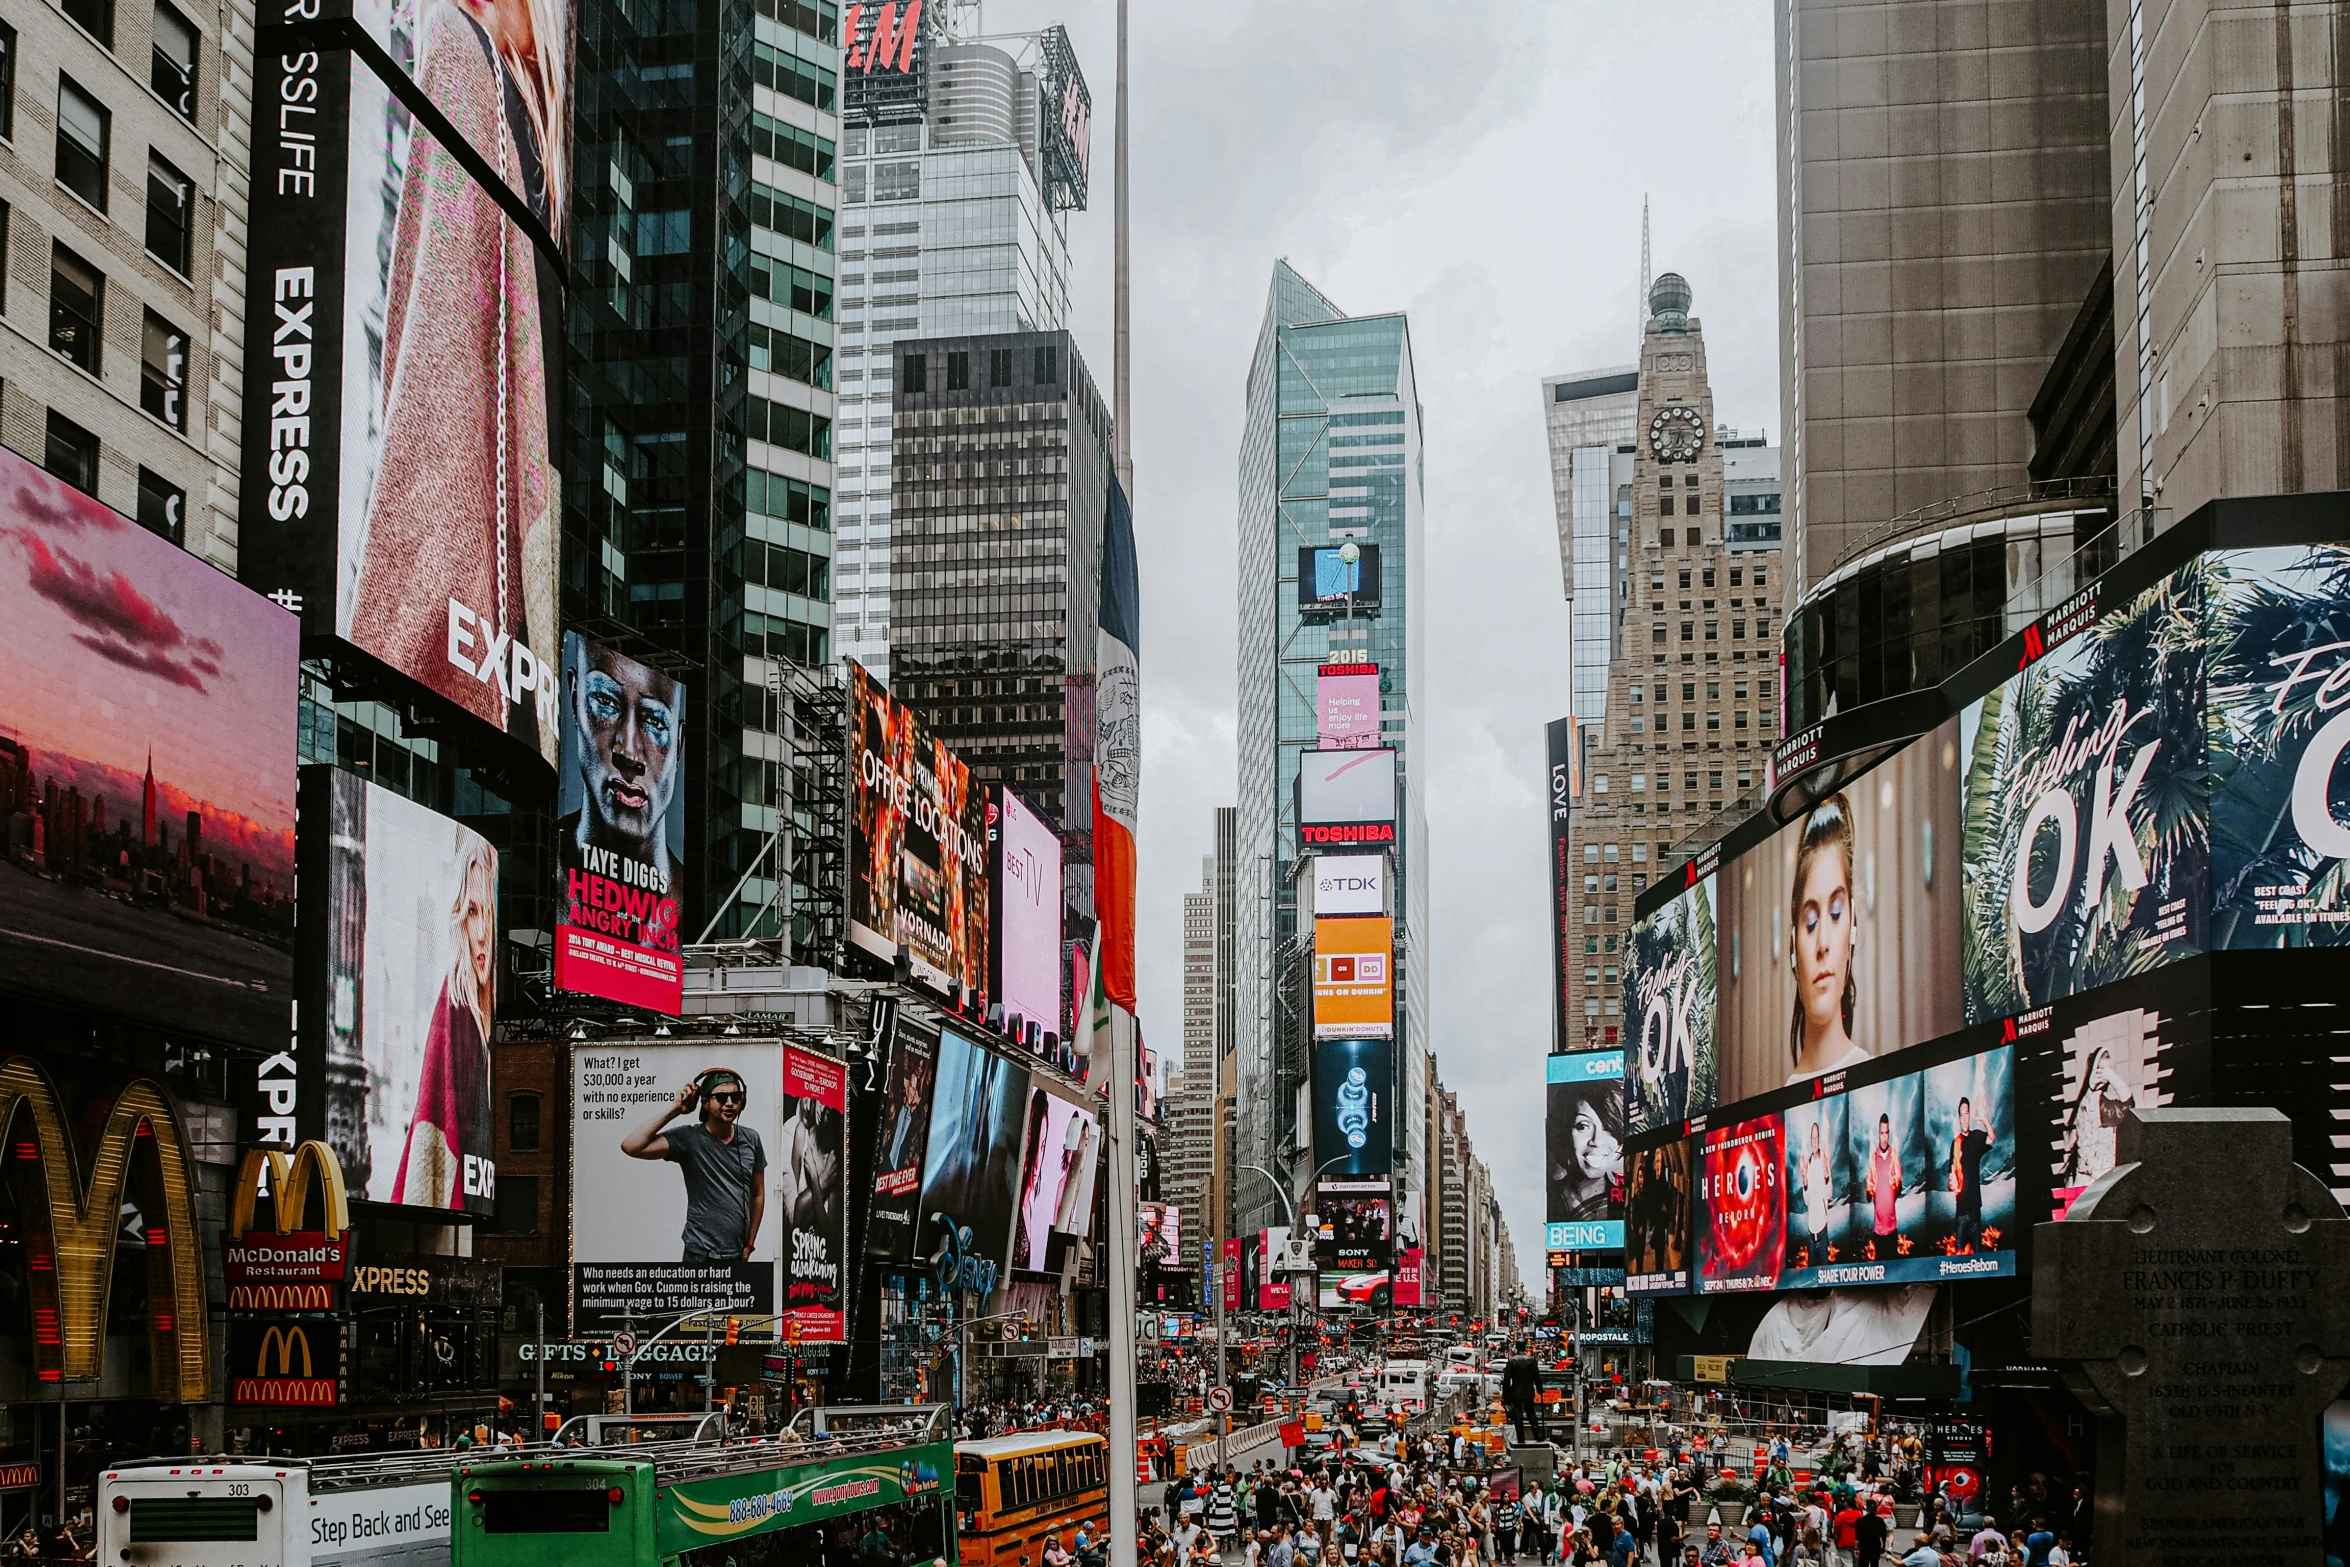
{"x":1026,"y":882}
{"x":1347,"y":698}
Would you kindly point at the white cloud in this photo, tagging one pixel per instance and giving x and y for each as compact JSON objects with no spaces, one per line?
{"x":1483,"y":168}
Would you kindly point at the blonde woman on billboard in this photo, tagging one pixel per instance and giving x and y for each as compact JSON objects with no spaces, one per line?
{"x":455,"y":573}
{"x":451,"y":1121}
{"x":1822,"y":938}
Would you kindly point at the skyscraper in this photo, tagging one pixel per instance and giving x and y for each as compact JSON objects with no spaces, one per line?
{"x":698,"y":476}
{"x":1690,"y":676}
{"x":956,"y":194}
{"x":1330,"y":455}
{"x":125,"y":231}
{"x":1587,"y":416}
{"x":999,"y":506}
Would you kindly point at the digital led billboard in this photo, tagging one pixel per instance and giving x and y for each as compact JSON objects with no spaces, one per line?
{"x":811,"y":1157}
{"x":147,"y":743}
{"x":1568,"y":1031}
{"x":1657,"y":1234}
{"x":1584,"y":1192}
{"x":1025,"y":880}
{"x":649,"y":1243}
{"x":1346,"y":704}
{"x":621,"y":837}
{"x":917,"y":843}
{"x":1670,"y":986}
{"x":1354,"y":1106}
{"x":1060,"y":1145}
{"x":1354,"y":980}
{"x":400,"y":480}
{"x":1346,"y":797}
{"x":1348,"y":883}
{"x":399,"y":968}
{"x":1327,"y":582}
{"x":1354,"y":1223}
{"x":905,"y":1135}
{"x":971,"y":1170}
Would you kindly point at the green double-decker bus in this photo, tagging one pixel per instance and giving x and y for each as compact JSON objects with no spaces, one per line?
{"x":870,"y":1486}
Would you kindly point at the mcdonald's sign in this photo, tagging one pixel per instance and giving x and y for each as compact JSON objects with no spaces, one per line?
{"x":297,"y":1364}
{"x":296,"y":1264}
{"x":72,"y":1217}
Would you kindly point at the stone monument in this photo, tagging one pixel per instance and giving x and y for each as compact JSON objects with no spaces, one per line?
{"x":2198,"y":1297}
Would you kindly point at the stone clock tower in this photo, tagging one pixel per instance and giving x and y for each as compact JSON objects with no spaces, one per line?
{"x":1693,"y":681}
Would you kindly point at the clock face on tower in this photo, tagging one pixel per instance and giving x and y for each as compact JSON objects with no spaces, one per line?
{"x":1676,"y":434}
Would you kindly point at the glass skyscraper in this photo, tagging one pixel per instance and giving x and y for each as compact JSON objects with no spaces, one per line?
{"x":1330,"y":451}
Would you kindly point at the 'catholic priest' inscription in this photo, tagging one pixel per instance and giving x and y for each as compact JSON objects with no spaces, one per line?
{"x":2198,"y":1296}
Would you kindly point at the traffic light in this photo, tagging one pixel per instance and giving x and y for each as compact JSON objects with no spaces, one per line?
{"x":734,"y":1330}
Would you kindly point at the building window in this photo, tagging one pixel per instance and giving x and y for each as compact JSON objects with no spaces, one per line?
{"x":518,"y":1205}
{"x":1664,"y":508}
{"x":163,"y":372}
{"x":1688,"y":631}
{"x":522,"y":1123}
{"x":915,"y":375}
{"x":71,"y":453}
{"x":1591,"y":854}
{"x":172,"y":69}
{"x":999,"y":367}
{"x":82,"y":131}
{"x":162,"y":506}
{"x":1684,"y":580}
{"x":1761,"y":577}
{"x":77,"y":303}
{"x":897,"y":182}
{"x":958,"y":371}
{"x":96,"y":18}
{"x":7,"y":80}
{"x":1048,"y":366}
{"x":170,"y":225}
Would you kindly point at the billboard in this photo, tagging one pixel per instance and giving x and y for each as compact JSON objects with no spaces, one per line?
{"x":1160,"y":1242}
{"x":1346,"y":797}
{"x":2087,"y":794}
{"x":1908,"y":1179}
{"x":147,"y":742}
{"x":1346,"y":704}
{"x":399,"y":956}
{"x":885,"y":60}
{"x":1354,"y":984}
{"x":897,"y":1161}
{"x":1062,"y":1141}
{"x":1273,"y":1285}
{"x":706,"y":1236}
{"x":1065,"y":120}
{"x":1354,"y":1107}
{"x":401,"y":489}
{"x":621,"y":838}
{"x":971,"y":1167}
{"x":1585,"y":1191}
{"x":811,"y":1188}
{"x":1656,"y":1220}
{"x":1348,"y":883}
{"x":1669,"y":998}
{"x":1327,"y":582}
{"x":1024,"y":877}
{"x":1567,"y":1029}
{"x":1355,"y":1224}
{"x":1833,"y":942}
{"x":917,"y":843}
{"x":2280,"y":804}
{"x":464,"y":69}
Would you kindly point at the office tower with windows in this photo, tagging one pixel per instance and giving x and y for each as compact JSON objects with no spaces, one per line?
{"x":1001,"y":488}
{"x":698,"y":463}
{"x":1691,"y":708}
{"x":1587,"y":415}
{"x":1330,"y":454}
{"x":122,"y":221}
{"x":956,"y":193}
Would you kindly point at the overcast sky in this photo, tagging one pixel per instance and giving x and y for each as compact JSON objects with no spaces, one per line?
{"x":1480,"y":166}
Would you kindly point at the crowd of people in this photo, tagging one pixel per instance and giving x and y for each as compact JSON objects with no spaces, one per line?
{"x":1432,"y":1501}
{"x":1004,"y":1417}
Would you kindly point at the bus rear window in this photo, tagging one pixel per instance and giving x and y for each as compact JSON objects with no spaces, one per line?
{"x":546,"y":1512}
{"x":157,"y":1520}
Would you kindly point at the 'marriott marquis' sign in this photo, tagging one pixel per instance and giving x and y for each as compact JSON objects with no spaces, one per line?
{"x":2195,"y":1293}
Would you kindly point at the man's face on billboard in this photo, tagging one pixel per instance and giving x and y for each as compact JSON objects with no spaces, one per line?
{"x":628,"y":714}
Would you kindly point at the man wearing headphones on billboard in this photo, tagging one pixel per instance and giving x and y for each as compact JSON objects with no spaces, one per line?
{"x":723,"y":1162}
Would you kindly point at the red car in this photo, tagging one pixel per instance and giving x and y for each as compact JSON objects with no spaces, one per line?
{"x":1366,"y":1289}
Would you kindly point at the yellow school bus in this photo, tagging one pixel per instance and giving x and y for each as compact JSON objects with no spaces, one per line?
{"x":1015,"y":1494}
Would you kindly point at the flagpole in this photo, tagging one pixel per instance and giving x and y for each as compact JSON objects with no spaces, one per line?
{"x":1122,"y":358}
{"x":1119,"y":1255}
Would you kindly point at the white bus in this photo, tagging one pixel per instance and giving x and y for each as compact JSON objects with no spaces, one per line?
{"x":390,"y":1511}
